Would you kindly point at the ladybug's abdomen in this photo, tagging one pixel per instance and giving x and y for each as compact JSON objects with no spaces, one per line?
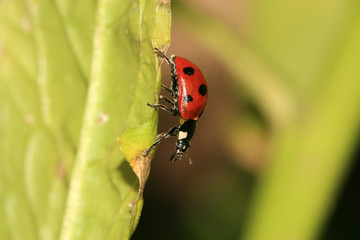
{"x":192,"y":89}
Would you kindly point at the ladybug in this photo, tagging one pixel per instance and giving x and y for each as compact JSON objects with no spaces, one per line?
{"x":189,"y":95}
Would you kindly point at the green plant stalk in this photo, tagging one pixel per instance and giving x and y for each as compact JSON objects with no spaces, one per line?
{"x":311,"y":157}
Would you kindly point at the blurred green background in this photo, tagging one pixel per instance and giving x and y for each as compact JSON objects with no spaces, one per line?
{"x":275,"y":152}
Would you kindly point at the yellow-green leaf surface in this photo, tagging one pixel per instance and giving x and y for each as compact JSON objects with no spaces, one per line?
{"x":74,"y":78}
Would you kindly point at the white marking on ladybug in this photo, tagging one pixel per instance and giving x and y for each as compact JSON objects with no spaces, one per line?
{"x":182,"y":135}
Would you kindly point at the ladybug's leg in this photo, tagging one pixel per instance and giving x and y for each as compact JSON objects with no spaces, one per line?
{"x":173,"y":111}
{"x":167,"y":89}
{"x":174,"y":107}
{"x":172,"y":132}
{"x":174,"y":157}
{"x":162,"y":55}
{"x":168,"y":100}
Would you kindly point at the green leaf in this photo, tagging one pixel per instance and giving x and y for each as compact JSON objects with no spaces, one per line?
{"x":74,"y":78}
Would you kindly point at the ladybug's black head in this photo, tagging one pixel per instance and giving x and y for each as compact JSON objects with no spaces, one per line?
{"x":182,"y":146}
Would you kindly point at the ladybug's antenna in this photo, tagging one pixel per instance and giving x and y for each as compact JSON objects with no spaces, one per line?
{"x":190,"y":161}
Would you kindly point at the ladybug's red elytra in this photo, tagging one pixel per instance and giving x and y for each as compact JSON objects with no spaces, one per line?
{"x":189,"y":92}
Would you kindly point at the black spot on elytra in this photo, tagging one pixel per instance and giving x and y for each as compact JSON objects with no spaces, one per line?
{"x":188,"y":71}
{"x":202,"y":90}
{"x":188,"y":98}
